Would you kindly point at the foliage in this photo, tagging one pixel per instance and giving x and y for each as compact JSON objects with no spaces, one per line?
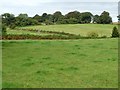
{"x":74,"y":17}
{"x":86,"y":17}
{"x":44,"y":17}
{"x":48,"y":22}
{"x":118,"y":18}
{"x":12,"y":26}
{"x":57,"y":16}
{"x":72,"y":21}
{"x":24,"y":20}
{"x":104,"y":36}
{"x":4,"y":30}
{"x":104,"y":18}
{"x":37,"y":17}
{"x":115,"y":32}
{"x":93,"y":34}
{"x":96,"y":19}
{"x":8,"y":19}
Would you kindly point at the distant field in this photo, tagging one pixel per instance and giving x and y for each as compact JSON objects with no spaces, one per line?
{"x":19,"y":32}
{"x":82,"y":29}
{"x":85,"y":63}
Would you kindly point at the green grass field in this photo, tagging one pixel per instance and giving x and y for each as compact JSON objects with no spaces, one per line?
{"x":19,"y":32}
{"x":82,"y":29}
{"x":84,"y":63}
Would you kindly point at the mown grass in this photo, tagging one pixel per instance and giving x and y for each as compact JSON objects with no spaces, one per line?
{"x":81,"y":63}
{"x":82,"y":29}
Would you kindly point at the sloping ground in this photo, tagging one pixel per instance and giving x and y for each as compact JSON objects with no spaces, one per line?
{"x":82,"y":29}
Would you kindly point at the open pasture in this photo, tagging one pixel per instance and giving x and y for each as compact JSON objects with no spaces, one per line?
{"x":84,"y":63}
{"x":82,"y":29}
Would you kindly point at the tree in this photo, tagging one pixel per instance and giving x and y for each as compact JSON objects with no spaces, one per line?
{"x":57,"y":16}
{"x":105,"y":18}
{"x":43,"y":17}
{"x":115,"y":32}
{"x":72,"y":21}
{"x":8,"y":19}
{"x":118,"y":18}
{"x":73,"y":15}
{"x":24,"y":20}
{"x":48,"y":22}
{"x":23,"y":16}
{"x":12,"y":26}
{"x":37,"y":17}
{"x":31,"y":21}
{"x":96,"y":19}
{"x":3,"y":30}
{"x":86,"y":17}
{"x":21,"y":19}
{"x":50,"y":18}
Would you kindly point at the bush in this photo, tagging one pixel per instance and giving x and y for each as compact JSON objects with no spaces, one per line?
{"x":47,"y":22}
{"x":93,"y":35}
{"x":115,"y":32}
{"x":12,"y":26}
{"x":4,"y":32}
{"x":104,"y":36}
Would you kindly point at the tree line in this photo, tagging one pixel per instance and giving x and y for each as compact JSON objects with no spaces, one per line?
{"x":74,"y":17}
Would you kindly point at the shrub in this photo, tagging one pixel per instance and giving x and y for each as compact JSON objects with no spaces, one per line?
{"x":4,"y":32}
{"x":12,"y":26}
{"x":47,"y":22}
{"x":115,"y":32}
{"x":104,"y":36}
{"x":93,"y":35}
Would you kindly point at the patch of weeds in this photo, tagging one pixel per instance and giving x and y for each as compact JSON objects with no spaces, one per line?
{"x":92,"y":35}
{"x":112,"y":59}
{"x":55,"y":63}
{"x":97,"y":61}
{"x":42,"y":72}
{"x":108,"y":59}
{"x":82,"y":54}
{"x":114,"y":48}
{"x":3,"y":48}
{"x":73,"y":68}
{"x":28,"y":42}
{"x":76,"y":45}
{"x":78,"y":48}
{"x":28,"y":64}
{"x":61,"y":68}
{"x":70,"y":68}
{"x":46,"y":58}
{"x":72,"y":53}
{"x":13,"y":42}
{"x":94,"y":46}
{"x":29,"y":59}
{"x":40,"y":62}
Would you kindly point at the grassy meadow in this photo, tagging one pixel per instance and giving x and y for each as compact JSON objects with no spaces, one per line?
{"x":82,"y":29}
{"x":83,"y":63}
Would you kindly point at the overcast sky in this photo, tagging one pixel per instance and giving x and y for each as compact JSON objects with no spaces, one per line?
{"x":32,"y":7}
